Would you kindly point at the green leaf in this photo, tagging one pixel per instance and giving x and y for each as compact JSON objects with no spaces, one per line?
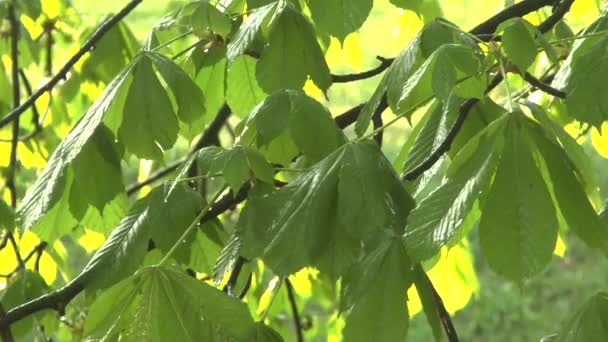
{"x":425,"y":291}
{"x":438,"y":217}
{"x":161,"y":304}
{"x":207,"y":247}
{"x":376,"y":289}
{"x":155,"y":216}
{"x":208,"y":18}
{"x":189,"y":97}
{"x":246,"y":33}
{"x":243,"y":92}
{"x":31,"y":8}
{"x":170,"y":216}
{"x":589,"y":322}
{"x":570,"y":197}
{"x":575,"y":152}
{"x":149,"y":124}
{"x":583,"y":74}
{"x":308,"y":123}
{"x":99,"y":160}
{"x":42,"y":196}
{"x":292,"y":54}
{"x":518,"y":225}
{"x":211,"y":77}
{"x":352,"y":15}
{"x":518,"y":43}
{"x":237,"y":165}
{"x":264,"y":333}
{"x":432,"y":36}
{"x":7,"y":216}
{"x":329,"y":210}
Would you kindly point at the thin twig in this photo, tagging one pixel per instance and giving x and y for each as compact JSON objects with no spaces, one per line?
{"x":12,"y":168}
{"x":294,"y":309}
{"x":535,"y":82}
{"x":485,"y":30}
{"x":377,"y":120}
{"x":62,"y":73}
{"x":384,"y":64}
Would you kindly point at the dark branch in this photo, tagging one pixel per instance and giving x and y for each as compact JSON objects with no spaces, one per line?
{"x":6,"y":334}
{"x":234,"y":276}
{"x":377,"y":119}
{"x":535,"y":82}
{"x":246,"y":287}
{"x":349,"y":117}
{"x":485,"y":30}
{"x":449,"y":138}
{"x":384,"y":64}
{"x":12,"y":168}
{"x":294,"y":309}
{"x":62,"y":73}
{"x":559,"y":12}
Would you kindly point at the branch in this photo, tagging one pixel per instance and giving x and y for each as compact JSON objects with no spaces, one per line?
{"x":485,"y":30}
{"x":559,"y":12}
{"x":62,"y":73}
{"x":377,"y":119}
{"x":234,"y":276}
{"x":449,"y":138}
{"x":535,"y":82}
{"x":12,"y":167}
{"x":294,"y":309}
{"x":384,"y":64}
{"x":6,"y":334}
{"x":349,"y":117}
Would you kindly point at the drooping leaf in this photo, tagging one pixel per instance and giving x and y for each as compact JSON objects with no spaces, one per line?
{"x":162,"y":303}
{"x":306,"y":122}
{"x":425,"y":290}
{"x":330,"y":210}
{"x":437,"y":218}
{"x":583,"y":73}
{"x":518,"y":42}
{"x":575,"y":207}
{"x":292,"y":55}
{"x":375,"y":290}
{"x":189,"y":97}
{"x":207,"y":17}
{"x":210,"y":70}
{"x":589,"y":322}
{"x":149,"y":124}
{"x":518,"y":225}
{"x":243,"y":92}
{"x":42,"y":195}
{"x":352,"y":14}
{"x":99,"y":160}
{"x":246,"y":33}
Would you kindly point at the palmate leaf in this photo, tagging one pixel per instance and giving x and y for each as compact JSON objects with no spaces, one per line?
{"x":375,"y":292}
{"x":292,"y":118}
{"x":292,"y":55}
{"x":352,"y":13}
{"x":147,"y":119}
{"x":582,"y":76}
{"x":589,"y":322}
{"x":433,"y":35}
{"x":518,"y":225}
{"x":161,"y":304}
{"x":157,"y":217}
{"x":436,"y":218}
{"x":329,"y":210}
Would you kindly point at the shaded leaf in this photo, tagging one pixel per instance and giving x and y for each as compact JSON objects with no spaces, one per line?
{"x":518,"y":42}
{"x":243,"y":92}
{"x":246,"y":33}
{"x":589,"y":322}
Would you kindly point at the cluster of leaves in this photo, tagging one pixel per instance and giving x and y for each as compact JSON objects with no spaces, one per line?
{"x":322,"y":203}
